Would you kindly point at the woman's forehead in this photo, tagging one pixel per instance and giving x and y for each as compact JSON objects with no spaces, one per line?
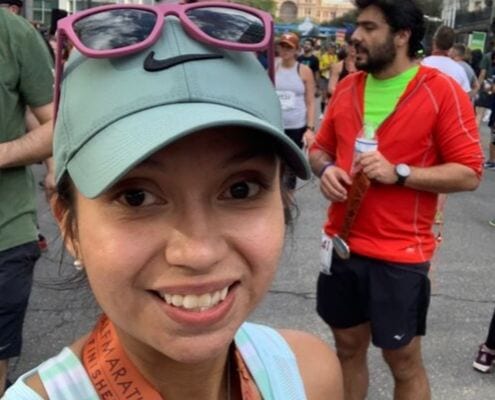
{"x":223,"y":145}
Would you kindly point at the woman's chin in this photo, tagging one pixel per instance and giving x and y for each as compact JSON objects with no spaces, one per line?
{"x":196,"y":350}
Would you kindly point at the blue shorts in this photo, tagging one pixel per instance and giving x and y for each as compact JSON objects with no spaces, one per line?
{"x":16,"y":278}
{"x":392,"y":297}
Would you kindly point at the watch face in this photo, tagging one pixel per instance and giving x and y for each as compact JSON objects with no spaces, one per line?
{"x":403,"y":170}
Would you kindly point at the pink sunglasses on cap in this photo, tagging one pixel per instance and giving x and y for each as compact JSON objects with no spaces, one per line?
{"x":122,"y":29}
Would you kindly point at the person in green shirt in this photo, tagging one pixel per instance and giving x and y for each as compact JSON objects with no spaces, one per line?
{"x":26,"y":80}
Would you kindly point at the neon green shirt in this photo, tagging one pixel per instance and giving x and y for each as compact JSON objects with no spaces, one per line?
{"x":26,"y":79}
{"x":382,"y":95}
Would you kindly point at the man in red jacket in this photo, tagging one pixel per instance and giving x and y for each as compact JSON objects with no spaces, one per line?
{"x":428,"y":143}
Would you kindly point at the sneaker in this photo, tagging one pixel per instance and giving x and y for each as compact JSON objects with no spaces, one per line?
{"x":485,"y":359}
{"x":489,"y":165}
{"x":42,"y":243}
{"x":491,"y":222}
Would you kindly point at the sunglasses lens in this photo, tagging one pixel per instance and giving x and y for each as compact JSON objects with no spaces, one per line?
{"x":115,"y":29}
{"x":228,"y":25}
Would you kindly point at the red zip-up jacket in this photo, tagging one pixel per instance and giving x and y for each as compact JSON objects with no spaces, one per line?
{"x":432,"y":124}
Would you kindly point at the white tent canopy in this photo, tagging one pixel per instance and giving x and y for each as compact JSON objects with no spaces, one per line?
{"x":306,"y":27}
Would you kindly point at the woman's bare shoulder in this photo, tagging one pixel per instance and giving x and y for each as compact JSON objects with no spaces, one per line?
{"x":305,"y":71}
{"x":318,"y":364}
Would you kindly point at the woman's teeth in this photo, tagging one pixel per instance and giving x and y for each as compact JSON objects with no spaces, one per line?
{"x":194,"y":302}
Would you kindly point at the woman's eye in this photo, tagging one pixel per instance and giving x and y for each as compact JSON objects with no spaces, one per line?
{"x":243,"y":190}
{"x":136,"y":198}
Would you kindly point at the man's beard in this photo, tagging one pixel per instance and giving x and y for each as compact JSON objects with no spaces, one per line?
{"x":379,"y":58}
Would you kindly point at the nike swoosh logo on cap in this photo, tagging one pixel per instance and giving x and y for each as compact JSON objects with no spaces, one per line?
{"x":151,"y":64}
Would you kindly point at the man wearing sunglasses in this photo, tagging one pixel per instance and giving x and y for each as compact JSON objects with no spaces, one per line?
{"x":26,"y":80}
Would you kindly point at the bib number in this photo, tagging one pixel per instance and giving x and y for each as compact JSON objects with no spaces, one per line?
{"x":287,"y":99}
{"x":326,"y":251}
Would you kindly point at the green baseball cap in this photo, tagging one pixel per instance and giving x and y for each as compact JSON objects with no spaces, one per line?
{"x":114,"y":113}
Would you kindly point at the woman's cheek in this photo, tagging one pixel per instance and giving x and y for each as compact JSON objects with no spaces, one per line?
{"x":265,"y":242}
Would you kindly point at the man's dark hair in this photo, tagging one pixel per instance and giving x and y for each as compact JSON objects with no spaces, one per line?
{"x":444,"y":38}
{"x":460,"y":49}
{"x":17,"y":3}
{"x":401,"y":15}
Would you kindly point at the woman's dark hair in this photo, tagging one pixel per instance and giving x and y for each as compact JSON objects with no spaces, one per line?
{"x":401,"y":15}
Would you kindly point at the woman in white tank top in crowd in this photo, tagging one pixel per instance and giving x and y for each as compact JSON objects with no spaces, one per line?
{"x":296,"y":90}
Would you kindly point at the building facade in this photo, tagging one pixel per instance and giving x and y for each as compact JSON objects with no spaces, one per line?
{"x":41,"y":9}
{"x":468,"y":15}
{"x":318,"y":11}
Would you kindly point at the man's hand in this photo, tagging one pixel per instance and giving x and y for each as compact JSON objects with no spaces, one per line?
{"x":49,"y":181}
{"x":333,"y":182}
{"x":308,"y":138}
{"x":34,"y":146}
{"x":377,"y":167}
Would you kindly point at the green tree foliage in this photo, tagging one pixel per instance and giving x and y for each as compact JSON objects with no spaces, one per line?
{"x":265,"y":5}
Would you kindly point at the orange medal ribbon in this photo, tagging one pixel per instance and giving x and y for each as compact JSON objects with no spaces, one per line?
{"x":113,"y":375}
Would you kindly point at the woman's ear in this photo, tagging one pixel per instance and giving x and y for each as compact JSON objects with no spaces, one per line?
{"x":66,"y":223}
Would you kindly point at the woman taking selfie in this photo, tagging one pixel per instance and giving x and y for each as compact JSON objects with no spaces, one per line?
{"x":169,"y":154}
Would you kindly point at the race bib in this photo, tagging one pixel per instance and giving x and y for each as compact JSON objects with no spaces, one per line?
{"x":326,"y":251}
{"x":287,"y":99}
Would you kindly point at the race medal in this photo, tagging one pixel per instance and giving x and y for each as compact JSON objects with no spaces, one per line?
{"x":341,"y":247}
{"x":111,"y":372}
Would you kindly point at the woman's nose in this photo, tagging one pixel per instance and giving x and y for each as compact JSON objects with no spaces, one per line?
{"x":196,"y":242}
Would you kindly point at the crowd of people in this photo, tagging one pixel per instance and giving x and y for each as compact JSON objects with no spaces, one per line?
{"x":324,"y":57}
{"x":176,"y":259}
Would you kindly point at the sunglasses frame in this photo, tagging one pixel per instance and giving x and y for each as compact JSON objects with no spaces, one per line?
{"x":65,"y":30}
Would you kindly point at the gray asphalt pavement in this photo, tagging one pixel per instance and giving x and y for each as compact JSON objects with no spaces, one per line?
{"x":462,"y":303}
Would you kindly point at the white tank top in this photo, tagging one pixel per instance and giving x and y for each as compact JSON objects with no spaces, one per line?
{"x":290,"y":90}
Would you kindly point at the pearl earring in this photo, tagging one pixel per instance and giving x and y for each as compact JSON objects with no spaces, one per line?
{"x":78,"y":265}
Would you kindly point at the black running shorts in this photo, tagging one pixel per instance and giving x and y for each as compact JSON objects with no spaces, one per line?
{"x":393,"y":297}
{"x":16,"y":277}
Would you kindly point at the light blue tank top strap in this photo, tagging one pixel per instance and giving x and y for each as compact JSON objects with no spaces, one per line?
{"x":271,"y":362}
{"x":63,"y":377}
{"x":265,"y":352}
